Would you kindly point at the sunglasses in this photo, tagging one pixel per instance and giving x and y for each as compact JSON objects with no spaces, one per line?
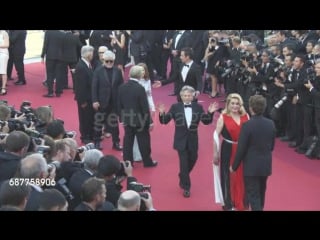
{"x":109,"y":61}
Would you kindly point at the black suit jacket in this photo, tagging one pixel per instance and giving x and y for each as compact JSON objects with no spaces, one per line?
{"x":52,"y":44}
{"x":137,"y":40}
{"x":184,"y":41}
{"x":193,"y":78}
{"x":255,"y":146}
{"x":133,"y":105}
{"x":83,"y":83}
{"x":75,"y":184}
{"x":9,"y":164}
{"x":103,"y":87}
{"x":17,"y":40}
{"x":70,"y":45}
{"x":183,"y":134}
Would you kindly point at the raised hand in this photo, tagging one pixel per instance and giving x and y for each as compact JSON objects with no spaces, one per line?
{"x":213,"y":107}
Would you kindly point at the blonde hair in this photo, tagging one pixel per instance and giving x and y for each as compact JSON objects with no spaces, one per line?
{"x":236,"y":96}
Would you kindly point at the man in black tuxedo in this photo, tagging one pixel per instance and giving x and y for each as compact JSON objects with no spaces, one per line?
{"x":52,"y":51}
{"x":106,"y":81}
{"x":82,"y":90}
{"x":135,"y":116}
{"x":255,"y":146}
{"x":180,"y":40}
{"x":189,"y":74}
{"x":17,"y":49}
{"x":69,"y":57}
{"x":187,"y":115}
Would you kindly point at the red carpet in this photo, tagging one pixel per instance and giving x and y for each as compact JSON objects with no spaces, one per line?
{"x":294,"y":184}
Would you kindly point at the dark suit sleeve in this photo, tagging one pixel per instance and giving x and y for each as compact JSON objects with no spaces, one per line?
{"x":145,"y":107}
{"x":166,"y":117}
{"x":315,"y":93}
{"x":81,"y":84}
{"x":206,"y":118}
{"x":171,"y":79}
{"x":243,"y":142}
{"x":45,"y":44}
{"x":95,"y":87}
{"x":198,"y":78}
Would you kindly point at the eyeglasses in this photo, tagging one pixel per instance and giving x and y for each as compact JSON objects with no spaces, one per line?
{"x":109,"y":61}
{"x":101,"y":52}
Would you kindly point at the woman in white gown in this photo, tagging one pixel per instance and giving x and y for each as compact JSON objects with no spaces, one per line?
{"x":4,"y":57}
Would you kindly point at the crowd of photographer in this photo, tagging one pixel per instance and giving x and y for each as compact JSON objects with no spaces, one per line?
{"x":283,"y":67}
{"x":43,"y":168}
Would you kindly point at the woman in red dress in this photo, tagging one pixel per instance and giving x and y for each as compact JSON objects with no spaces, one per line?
{"x":228,"y":127}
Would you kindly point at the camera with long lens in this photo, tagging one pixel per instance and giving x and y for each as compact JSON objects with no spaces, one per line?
{"x":311,"y":75}
{"x":224,"y":41}
{"x":35,"y":135}
{"x":62,"y":187}
{"x":53,"y":165}
{"x":278,"y":64}
{"x":141,"y":189}
{"x":43,"y":149}
{"x":274,"y":112}
{"x":86,"y":147}
{"x":69,"y":134}
{"x":16,"y":125}
{"x":281,"y":102}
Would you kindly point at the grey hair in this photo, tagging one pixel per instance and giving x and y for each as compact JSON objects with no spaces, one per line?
{"x":188,"y":89}
{"x":33,"y":165}
{"x":91,"y":158}
{"x":102,"y":48}
{"x":109,"y":55}
{"x":85,"y":50}
{"x":136,"y":72}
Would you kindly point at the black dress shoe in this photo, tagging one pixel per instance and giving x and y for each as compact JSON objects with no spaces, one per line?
{"x":117,"y":146}
{"x":20,"y":83}
{"x":300,"y":150}
{"x":49,"y":95}
{"x":153,"y":164}
{"x":293,"y":144}
{"x":186,"y":193}
{"x":10,"y":78}
{"x":58,"y":94}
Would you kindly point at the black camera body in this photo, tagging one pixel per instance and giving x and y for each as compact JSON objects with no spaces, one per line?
{"x":311,"y":75}
{"x":139,"y":187}
{"x":86,"y":147}
{"x":3,"y":135}
{"x":122,"y":172}
{"x":43,"y":149}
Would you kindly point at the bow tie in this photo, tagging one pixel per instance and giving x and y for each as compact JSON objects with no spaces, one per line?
{"x":186,"y":65}
{"x":187,"y":105}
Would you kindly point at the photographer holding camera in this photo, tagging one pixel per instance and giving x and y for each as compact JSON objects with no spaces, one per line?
{"x":131,"y":201}
{"x":314,"y":88}
{"x":16,"y":147}
{"x":114,"y":172}
{"x":90,"y":164}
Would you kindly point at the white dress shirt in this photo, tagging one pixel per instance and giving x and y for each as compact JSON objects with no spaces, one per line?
{"x":185,"y":70}
{"x":188,"y":114}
